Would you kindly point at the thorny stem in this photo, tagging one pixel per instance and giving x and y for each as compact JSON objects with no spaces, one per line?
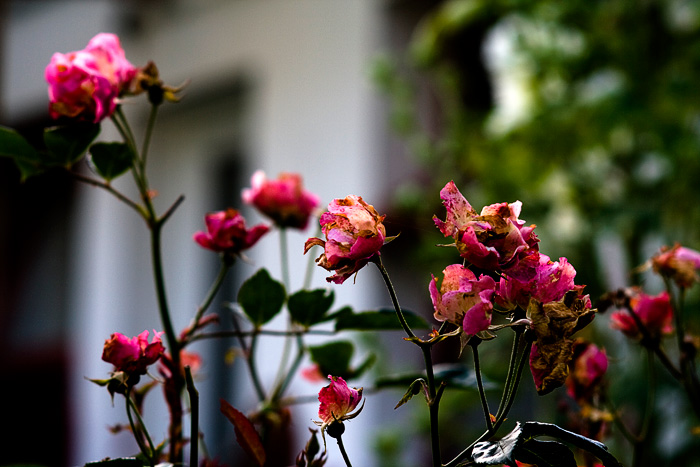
{"x":433,"y":396}
{"x":392,"y":292}
{"x":155,"y":226}
{"x":688,"y":375}
{"x":147,"y":138}
{"x":511,"y":371}
{"x":433,"y":405}
{"x":341,"y":446}
{"x":648,"y":411}
{"x":194,"y":417}
{"x":480,"y":383}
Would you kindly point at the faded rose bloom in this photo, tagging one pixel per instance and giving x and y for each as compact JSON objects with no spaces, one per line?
{"x":495,"y":239}
{"x":337,"y":402}
{"x":553,"y":324}
{"x":654,"y":312}
{"x":283,"y":200}
{"x":191,"y":359}
{"x":545,"y":281}
{"x":677,"y":263}
{"x":133,"y":355}
{"x":227,"y":233}
{"x":312,"y":373}
{"x":463,"y":299}
{"x":587,"y":369}
{"x":86,"y":84}
{"x":354,"y":234}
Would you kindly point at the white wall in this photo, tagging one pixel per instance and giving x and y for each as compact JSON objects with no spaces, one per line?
{"x":311,"y":110}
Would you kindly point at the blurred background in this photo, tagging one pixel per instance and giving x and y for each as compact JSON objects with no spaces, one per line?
{"x":586,"y":111}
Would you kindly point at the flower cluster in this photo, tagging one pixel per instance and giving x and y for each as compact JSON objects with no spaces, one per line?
{"x":497,"y":242}
{"x":87,"y":83}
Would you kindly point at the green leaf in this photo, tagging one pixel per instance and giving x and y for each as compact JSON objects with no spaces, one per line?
{"x":261,"y":297}
{"x":333,"y":358}
{"x":379,"y":320}
{"x":412,"y":390}
{"x":27,"y":159}
{"x":309,"y":307}
{"x":246,"y":435}
{"x":545,"y":454}
{"x":111,"y":159}
{"x":68,"y":144}
{"x":120,"y":462}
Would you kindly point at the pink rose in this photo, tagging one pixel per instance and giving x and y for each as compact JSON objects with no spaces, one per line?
{"x":462,"y":299}
{"x":132,"y":355}
{"x":337,"y":401}
{"x":541,"y":279}
{"x":654,"y":312}
{"x":227,"y":233}
{"x":283,"y":200}
{"x":678,"y":263}
{"x":354,"y":234}
{"x":586,"y":370}
{"x":86,"y":84}
{"x":495,"y":239}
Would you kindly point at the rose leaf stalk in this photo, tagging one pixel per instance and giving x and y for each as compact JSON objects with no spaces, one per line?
{"x":226,"y":265}
{"x":139,"y":431}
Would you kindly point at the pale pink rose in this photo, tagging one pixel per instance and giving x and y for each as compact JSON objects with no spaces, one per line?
{"x":463,"y":299}
{"x":354,"y":234}
{"x":133,"y":355}
{"x":494,"y":239}
{"x":283,"y":200}
{"x":337,"y":401}
{"x":86,"y":84}
{"x":227,"y":233}
{"x":654,"y":312}
{"x":312,"y":374}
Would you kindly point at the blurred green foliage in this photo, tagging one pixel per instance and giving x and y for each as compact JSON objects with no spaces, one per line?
{"x":588,"y":112}
{"x":585,"y":110}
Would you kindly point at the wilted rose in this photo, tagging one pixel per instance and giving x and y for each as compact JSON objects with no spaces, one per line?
{"x":553,"y":324}
{"x":495,"y":239}
{"x":354,"y":234}
{"x":463,"y":299}
{"x":337,"y":401}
